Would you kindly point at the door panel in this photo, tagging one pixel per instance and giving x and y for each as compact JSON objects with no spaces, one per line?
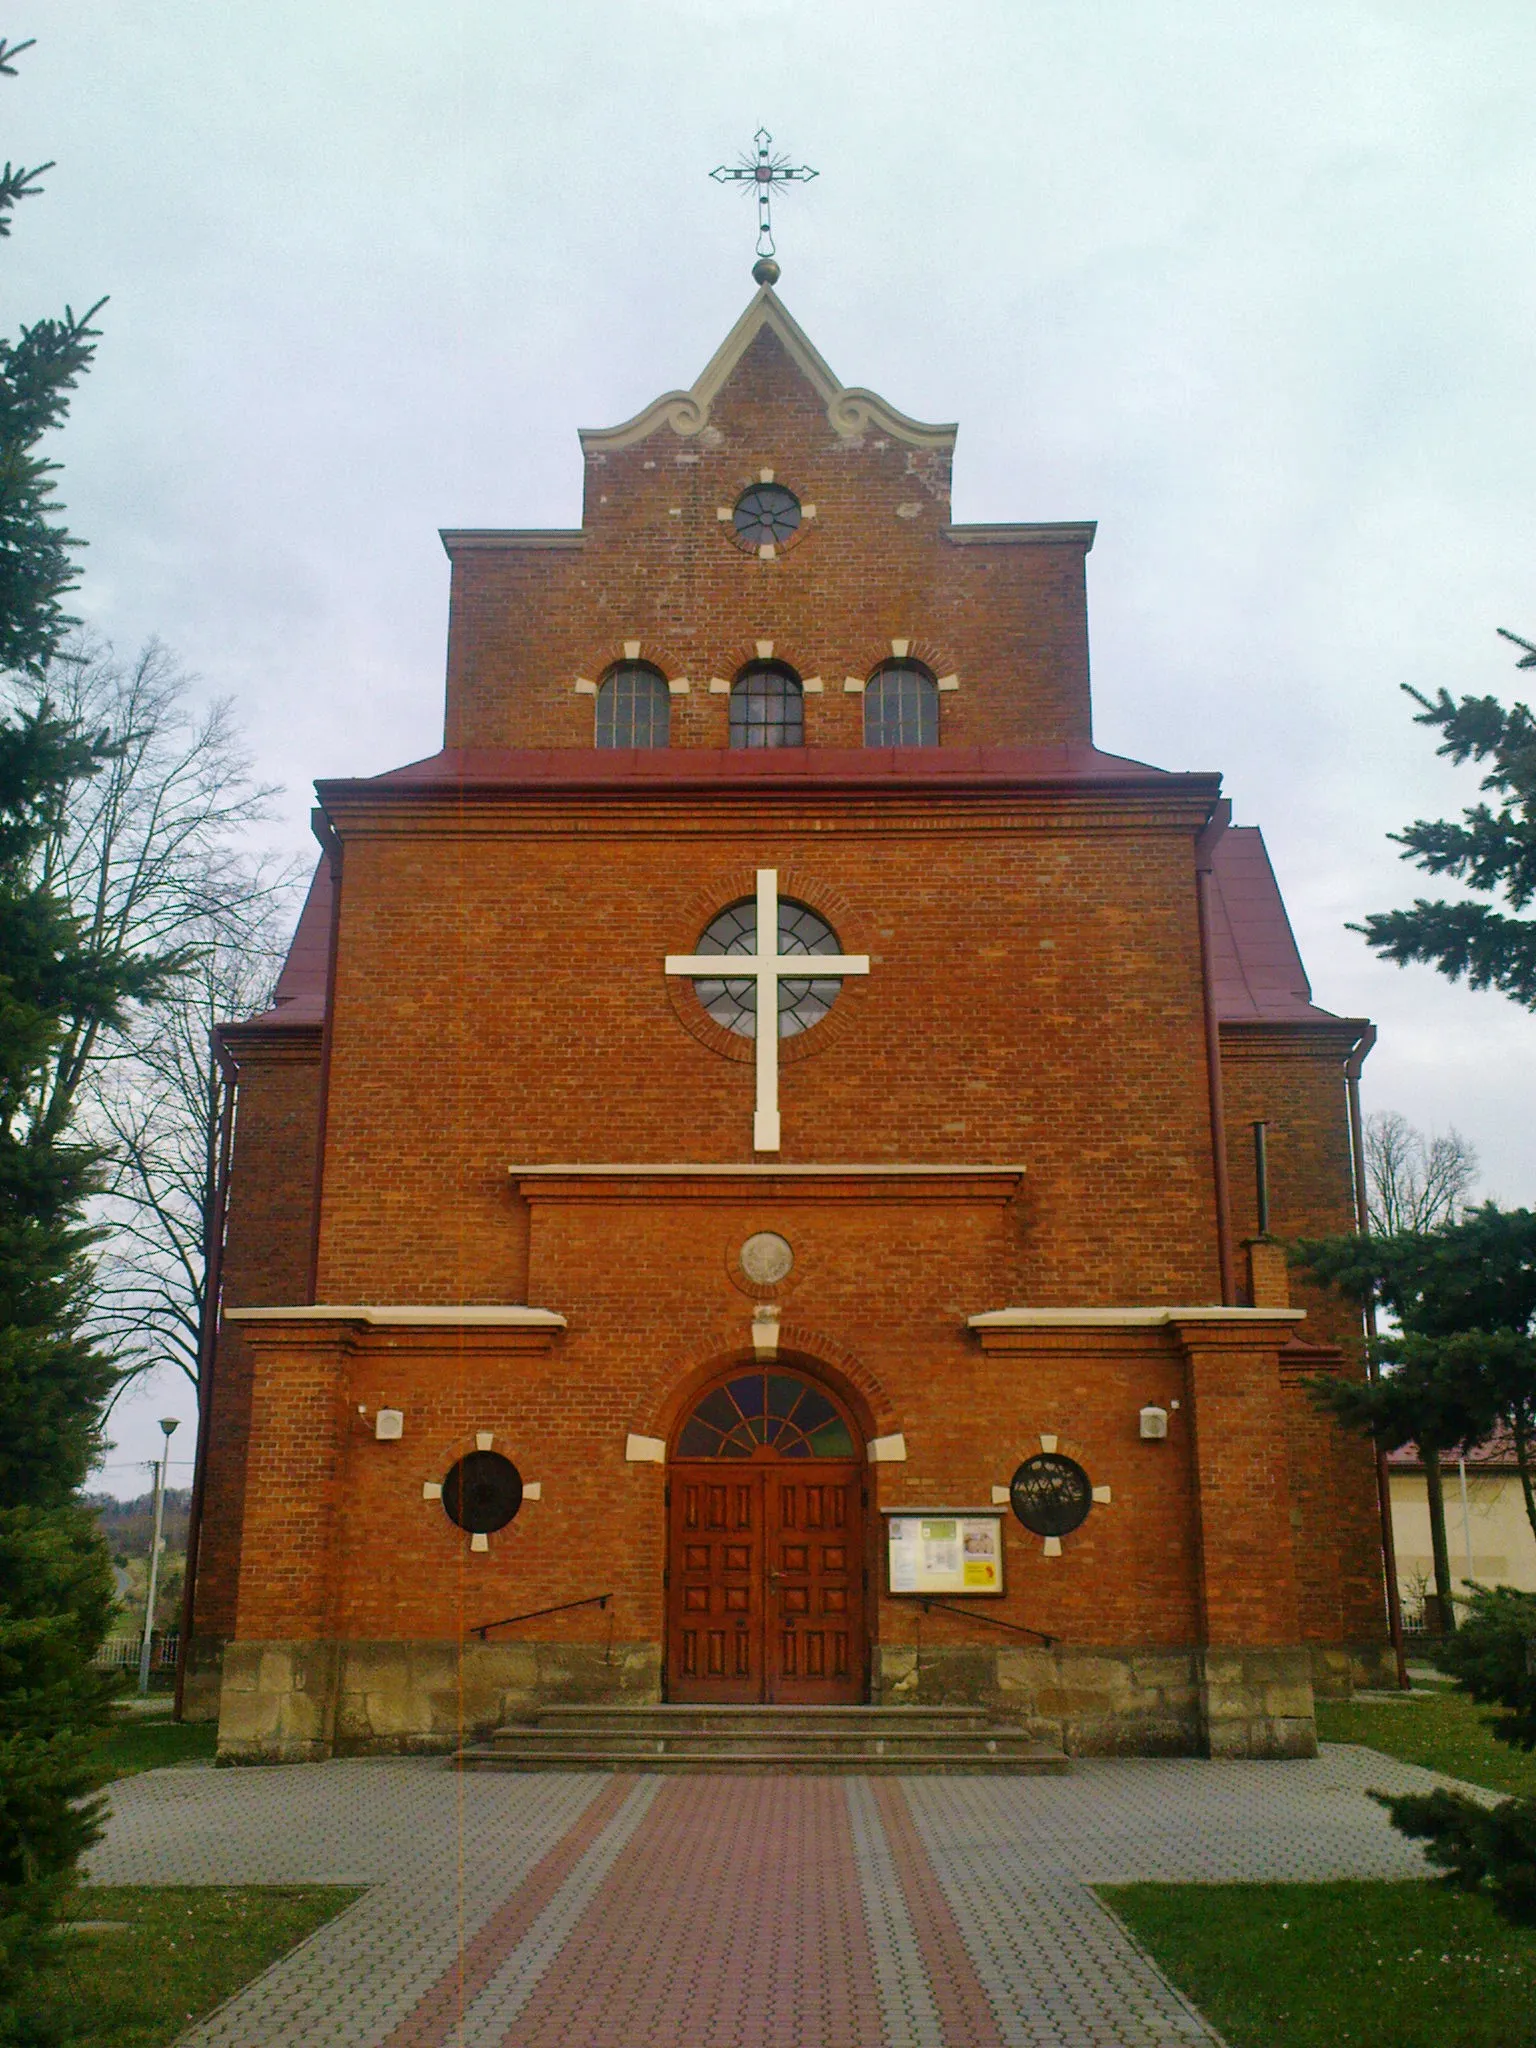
{"x":815,"y":1632}
{"x":715,"y":1594}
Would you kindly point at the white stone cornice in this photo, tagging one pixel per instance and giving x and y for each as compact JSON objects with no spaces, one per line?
{"x":1125,"y":1318}
{"x":1025,"y":534}
{"x":682,"y":1169}
{"x":513,"y":1316}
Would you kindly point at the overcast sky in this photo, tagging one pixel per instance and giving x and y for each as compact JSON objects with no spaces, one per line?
{"x":1249,"y":284}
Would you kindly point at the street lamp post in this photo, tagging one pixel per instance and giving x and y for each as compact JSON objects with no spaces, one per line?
{"x":168,"y":1424}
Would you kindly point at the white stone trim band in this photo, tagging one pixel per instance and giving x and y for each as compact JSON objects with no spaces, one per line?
{"x":630,"y":1170}
{"x":514,"y":1317}
{"x":1124,"y":1318}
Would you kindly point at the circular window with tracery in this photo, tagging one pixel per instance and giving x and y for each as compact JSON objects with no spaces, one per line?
{"x":802,"y":1002}
{"x":765,"y":516}
{"x":483,"y":1492}
{"x":1051,"y":1494}
{"x":766,"y":1411}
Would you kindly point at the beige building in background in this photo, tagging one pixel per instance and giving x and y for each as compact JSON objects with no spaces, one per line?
{"x":1488,"y":1531}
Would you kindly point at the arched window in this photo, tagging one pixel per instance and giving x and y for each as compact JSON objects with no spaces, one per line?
{"x":901,"y":706}
{"x":767,"y":707}
{"x":634,"y":707}
{"x":776,"y":1410}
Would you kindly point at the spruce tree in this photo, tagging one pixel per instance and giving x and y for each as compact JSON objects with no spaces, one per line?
{"x":1492,"y":851}
{"x":55,"y":1582}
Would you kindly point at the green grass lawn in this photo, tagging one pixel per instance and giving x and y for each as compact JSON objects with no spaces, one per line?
{"x":189,"y":1949}
{"x":1442,"y":1731}
{"x":1323,"y":1965}
{"x":140,"y":1742}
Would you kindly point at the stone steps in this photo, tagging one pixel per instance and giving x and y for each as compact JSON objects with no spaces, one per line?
{"x":737,"y":1720}
{"x":760,"y":1740}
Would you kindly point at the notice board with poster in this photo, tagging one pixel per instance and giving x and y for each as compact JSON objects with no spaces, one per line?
{"x":939,"y":1550}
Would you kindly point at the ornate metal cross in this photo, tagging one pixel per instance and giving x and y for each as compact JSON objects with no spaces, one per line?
{"x":766,"y":965}
{"x":763,"y":172}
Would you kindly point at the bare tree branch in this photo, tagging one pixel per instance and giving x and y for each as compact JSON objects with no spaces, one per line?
{"x":158,"y":1116}
{"x":1414,"y":1182}
{"x":154,"y":856}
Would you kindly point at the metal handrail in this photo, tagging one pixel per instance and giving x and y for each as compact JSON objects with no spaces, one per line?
{"x":988,"y":1620}
{"x":483,"y":1628}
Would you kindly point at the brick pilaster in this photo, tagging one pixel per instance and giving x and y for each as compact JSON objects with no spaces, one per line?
{"x":293,"y":1474}
{"x":1247,"y":1579}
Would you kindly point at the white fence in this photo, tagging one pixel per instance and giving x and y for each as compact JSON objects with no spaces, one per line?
{"x":119,"y":1652}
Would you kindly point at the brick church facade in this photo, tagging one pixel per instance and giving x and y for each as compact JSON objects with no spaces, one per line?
{"x":924,"y":1350}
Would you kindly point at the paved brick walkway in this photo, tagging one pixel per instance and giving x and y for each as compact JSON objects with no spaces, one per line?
{"x":577,"y":1912}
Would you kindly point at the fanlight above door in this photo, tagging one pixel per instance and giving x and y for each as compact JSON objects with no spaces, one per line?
{"x":778,"y":1411}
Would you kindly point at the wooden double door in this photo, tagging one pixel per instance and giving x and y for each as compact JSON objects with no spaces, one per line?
{"x":765,"y":1582}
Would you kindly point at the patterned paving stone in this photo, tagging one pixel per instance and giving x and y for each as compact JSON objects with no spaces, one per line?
{"x":908,"y":2011}
{"x":490,"y":1977}
{"x":521,"y":1912}
{"x":736,"y":1917}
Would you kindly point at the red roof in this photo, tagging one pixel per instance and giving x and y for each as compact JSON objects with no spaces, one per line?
{"x":1255,"y":966}
{"x":1495,"y":1453}
{"x":690,"y":767}
{"x":299,"y":997}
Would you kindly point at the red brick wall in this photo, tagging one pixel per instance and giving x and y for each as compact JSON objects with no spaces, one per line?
{"x":1033,"y":996}
{"x":1293,"y":1077}
{"x":655,"y":565}
{"x":1242,"y":1486}
{"x":293,"y":1571}
{"x":341,"y":1539}
{"x":266,"y":1261}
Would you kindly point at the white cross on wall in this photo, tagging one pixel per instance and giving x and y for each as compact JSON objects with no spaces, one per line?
{"x":767,"y":966}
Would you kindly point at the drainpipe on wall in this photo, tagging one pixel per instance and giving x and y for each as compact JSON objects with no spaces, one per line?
{"x":207,"y":1335}
{"x":1352,"y":1068}
{"x":325,"y":832}
{"x":1205,"y":850}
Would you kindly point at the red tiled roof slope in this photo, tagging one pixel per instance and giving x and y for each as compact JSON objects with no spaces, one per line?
{"x":1255,"y":965}
{"x":692,"y":767}
{"x":299,"y":997}
{"x":1495,"y":1453}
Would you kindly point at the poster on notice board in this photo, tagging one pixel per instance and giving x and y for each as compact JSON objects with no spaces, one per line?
{"x":938,"y":1553}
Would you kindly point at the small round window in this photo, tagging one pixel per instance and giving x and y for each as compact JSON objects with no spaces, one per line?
{"x":1051,"y":1495}
{"x":766,"y":516}
{"x":483,"y":1492}
{"x":733,"y":1002}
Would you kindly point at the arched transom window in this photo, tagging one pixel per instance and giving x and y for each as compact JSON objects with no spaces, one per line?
{"x":901,"y":706}
{"x":776,"y":1411}
{"x":767,"y":707}
{"x":634,"y":707}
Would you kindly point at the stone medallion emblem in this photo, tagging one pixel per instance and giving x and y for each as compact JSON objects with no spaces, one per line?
{"x":766,"y":1258}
